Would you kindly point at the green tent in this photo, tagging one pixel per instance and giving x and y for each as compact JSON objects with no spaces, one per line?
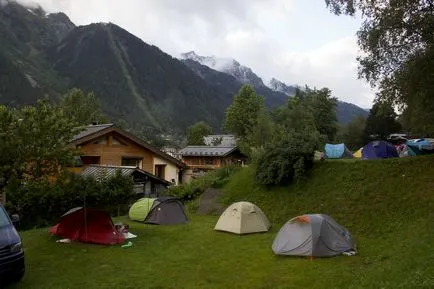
{"x":159,"y":211}
{"x":140,"y":209}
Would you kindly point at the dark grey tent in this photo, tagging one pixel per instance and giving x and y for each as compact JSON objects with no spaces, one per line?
{"x":166,"y":211}
{"x":314,"y":235}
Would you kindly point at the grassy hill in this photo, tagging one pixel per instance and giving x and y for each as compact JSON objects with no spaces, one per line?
{"x":387,"y":205}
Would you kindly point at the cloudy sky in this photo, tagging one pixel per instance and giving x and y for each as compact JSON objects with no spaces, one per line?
{"x":296,"y":41}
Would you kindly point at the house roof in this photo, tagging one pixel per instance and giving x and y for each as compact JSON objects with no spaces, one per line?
{"x":108,"y":171}
{"x":207,"y":151}
{"x":227,"y":140}
{"x":96,"y":131}
{"x":91,"y":129}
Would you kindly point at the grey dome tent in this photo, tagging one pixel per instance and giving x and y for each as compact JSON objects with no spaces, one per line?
{"x":158,"y":211}
{"x":315,"y":235}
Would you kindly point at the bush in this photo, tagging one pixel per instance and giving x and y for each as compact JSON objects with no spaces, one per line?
{"x":41,"y":203}
{"x":283,"y":161}
{"x":193,"y":189}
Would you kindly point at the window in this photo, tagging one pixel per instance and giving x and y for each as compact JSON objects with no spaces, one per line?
{"x":132,"y":162}
{"x":194,"y":161}
{"x":160,"y":171}
{"x":4,"y":220}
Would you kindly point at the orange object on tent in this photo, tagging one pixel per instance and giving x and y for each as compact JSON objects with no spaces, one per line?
{"x":302,"y":219}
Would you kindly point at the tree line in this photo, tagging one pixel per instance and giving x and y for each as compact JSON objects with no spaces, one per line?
{"x":281,"y":142}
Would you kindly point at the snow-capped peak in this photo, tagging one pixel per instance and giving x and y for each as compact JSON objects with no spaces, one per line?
{"x":226,"y":65}
{"x":280,"y":86}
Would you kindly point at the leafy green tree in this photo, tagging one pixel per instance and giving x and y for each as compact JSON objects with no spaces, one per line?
{"x":34,"y":141}
{"x":11,"y":148}
{"x":382,"y":121}
{"x":83,"y":109}
{"x":353,"y":134}
{"x":398,"y":44}
{"x":242,"y":116}
{"x":197,"y":132}
{"x":310,"y":109}
{"x":323,"y":108}
{"x":285,"y":159}
{"x":289,"y":154}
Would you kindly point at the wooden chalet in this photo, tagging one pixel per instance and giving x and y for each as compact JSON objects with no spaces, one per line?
{"x":201,"y":159}
{"x":106,"y":144}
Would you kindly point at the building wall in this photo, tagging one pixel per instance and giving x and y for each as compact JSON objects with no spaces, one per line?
{"x":112,"y":147}
{"x":206,"y":162}
{"x":199,"y":165}
{"x":171,"y":170}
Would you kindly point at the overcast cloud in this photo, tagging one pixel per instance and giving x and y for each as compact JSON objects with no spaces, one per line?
{"x":296,"y":41}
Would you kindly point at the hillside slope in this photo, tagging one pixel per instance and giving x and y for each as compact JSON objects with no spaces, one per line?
{"x":388,"y":206}
{"x":135,"y":81}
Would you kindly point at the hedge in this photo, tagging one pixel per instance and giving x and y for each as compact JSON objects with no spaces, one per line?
{"x":40,"y":203}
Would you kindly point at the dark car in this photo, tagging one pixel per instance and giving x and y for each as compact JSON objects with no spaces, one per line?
{"x":11,"y":251}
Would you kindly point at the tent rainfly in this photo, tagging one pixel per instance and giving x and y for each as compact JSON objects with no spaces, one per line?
{"x":243,"y":218}
{"x":158,"y":211}
{"x":379,"y":150}
{"x":337,"y":151}
{"x":315,"y":235}
{"x":88,"y":225}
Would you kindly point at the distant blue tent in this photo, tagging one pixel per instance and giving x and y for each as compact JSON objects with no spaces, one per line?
{"x":421,"y":146}
{"x":337,"y":151}
{"x":379,"y":150}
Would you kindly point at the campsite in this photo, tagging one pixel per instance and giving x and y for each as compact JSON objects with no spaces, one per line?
{"x":386,"y":205}
{"x":216,"y":144}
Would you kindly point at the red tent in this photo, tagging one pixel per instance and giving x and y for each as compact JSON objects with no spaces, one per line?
{"x":88,"y":226}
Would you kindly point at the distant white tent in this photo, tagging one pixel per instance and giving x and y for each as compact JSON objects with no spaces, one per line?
{"x":243,"y":218}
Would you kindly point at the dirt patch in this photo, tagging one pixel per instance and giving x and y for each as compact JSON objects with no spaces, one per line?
{"x":209,"y":204}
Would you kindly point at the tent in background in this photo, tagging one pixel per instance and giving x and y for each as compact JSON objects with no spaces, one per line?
{"x":140,"y":209}
{"x":358,"y":154}
{"x":88,"y":226}
{"x":314,"y":235}
{"x":379,"y":150}
{"x":243,"y":218}
{"x":421,"y":146}
{"x":158,"y":211}
{"x":404,"y":150}
{"x":337,"y":151}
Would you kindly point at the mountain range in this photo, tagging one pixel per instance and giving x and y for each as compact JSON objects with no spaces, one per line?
{"x":135,"y":82}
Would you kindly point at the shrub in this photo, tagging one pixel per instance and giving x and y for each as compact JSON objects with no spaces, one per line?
{"x":283,"y":161}
{"x":193,"y":189}
{"x":41,"y":203}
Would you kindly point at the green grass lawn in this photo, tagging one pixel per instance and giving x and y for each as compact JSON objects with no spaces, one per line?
{"x":387,"y":205}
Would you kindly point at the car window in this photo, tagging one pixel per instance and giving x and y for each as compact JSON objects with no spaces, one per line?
{"x":4,"y":220}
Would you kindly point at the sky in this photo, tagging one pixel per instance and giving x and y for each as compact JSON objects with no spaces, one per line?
{"x":296,"y":41}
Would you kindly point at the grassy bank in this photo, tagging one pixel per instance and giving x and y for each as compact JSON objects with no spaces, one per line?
{"x":387,"y":205}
